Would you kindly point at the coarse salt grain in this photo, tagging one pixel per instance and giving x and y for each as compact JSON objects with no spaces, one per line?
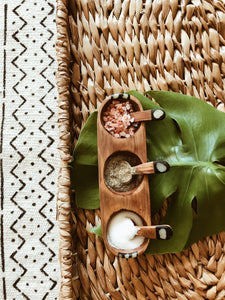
{"x":122,"y":232}
{"x":117,"y":119}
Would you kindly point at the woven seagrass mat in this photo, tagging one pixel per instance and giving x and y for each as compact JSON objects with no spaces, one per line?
{"x":107,"y":47}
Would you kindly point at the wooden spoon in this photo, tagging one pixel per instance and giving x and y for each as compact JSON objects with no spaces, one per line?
{"x":148,"y":115}
{"x":160,"y":232}
{"x":126,"y":171}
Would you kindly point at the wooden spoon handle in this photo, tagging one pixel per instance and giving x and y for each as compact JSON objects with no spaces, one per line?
{"x":148,"y":115}
{"x":160,"y":232}
{"x":151,"y":167}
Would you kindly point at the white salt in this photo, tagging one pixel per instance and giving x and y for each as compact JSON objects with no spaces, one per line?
{"x":122,"y":232}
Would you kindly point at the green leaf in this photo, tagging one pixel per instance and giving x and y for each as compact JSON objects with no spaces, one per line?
{"x":85,"y":152}
{"x":197,"y":172}
{"x":192,"y":139}
{"x":84,"y":170}
{"x":97,"y":230}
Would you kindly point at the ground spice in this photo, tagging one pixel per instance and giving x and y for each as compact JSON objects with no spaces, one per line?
{"x":117,"y":119}
{"x":115,"y":175}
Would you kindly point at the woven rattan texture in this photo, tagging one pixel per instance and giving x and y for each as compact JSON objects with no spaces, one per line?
{"x":107,"y":47}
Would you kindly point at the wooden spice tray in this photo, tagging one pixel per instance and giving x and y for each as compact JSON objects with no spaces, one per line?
{"x":138,"y":199}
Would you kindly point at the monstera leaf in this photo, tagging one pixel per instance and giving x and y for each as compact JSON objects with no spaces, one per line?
{"x":192,"y":139}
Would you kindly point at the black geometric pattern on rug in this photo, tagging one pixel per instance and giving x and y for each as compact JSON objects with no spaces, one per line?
{"x":31,"y":90}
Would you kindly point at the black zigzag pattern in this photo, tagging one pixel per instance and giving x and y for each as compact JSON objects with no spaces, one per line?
{"x":12,"y":144}
{"x":24,"y":51}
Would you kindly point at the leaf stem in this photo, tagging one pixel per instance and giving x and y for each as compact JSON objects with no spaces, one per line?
{"x":197,"y":163}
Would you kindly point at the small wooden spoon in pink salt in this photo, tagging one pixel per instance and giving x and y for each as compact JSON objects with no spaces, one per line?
{"x":147,"y":115}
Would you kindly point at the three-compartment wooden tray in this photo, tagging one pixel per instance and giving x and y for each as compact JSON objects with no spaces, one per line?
{"x":135,"y":198}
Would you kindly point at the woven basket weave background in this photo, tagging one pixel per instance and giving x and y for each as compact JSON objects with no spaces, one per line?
{"x":107,"y":47}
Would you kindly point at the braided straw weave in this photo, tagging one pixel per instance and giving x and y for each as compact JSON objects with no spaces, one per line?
{"x":106,"y":47}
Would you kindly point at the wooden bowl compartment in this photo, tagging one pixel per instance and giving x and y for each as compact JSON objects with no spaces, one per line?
{"x":133,"y":160}
{"x":122,"y":98}
{"x":133,"y":252}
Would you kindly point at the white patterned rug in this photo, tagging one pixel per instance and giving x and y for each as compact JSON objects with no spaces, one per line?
{"x":29,"y":266}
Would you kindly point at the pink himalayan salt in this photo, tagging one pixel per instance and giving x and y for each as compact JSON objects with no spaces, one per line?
{"x":117,"y":119}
